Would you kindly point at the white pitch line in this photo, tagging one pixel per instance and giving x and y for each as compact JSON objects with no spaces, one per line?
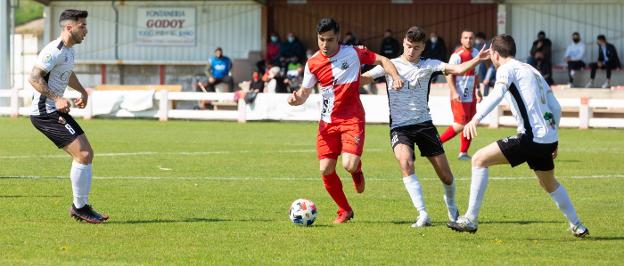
{"x":242,"y":178}
{"x":184,"y":153}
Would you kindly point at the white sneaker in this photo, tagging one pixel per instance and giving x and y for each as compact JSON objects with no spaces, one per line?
{"x":579,"y":230}
{"x":421,"y":221}
{"x":463,"y":224}
{"x":464,"y":157}
{"x":589,"y":84}
{"x":605,"y":85}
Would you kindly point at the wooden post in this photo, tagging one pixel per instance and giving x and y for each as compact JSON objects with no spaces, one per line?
{"x":242,"y":111}
{"x":163,"y":110}
{"x":14,"y":103}
{"x":102,"y":74}
{"x":88,"y":114}
{"x":495,"y":116}
{"x":584,"y":113}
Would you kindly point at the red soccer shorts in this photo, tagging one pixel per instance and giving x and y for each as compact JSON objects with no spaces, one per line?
{"x":463,"y":112}
{"x":334,"y":139}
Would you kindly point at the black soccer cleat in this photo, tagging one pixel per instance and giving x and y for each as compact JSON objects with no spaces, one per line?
{"x":87,"y":214}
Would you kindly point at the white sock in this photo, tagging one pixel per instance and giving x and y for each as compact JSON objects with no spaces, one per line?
{"x":560,"y":196}
{"x":449,"y":194}
{"x":415,"y":191}
{"x":80,"y":176}
{"x":478,"y":184}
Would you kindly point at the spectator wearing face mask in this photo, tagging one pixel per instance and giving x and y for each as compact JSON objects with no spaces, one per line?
{"x":271,"y":57}
{"x":542,"y":45}
{"x":543,"y":66}
{"x":574,"y":56}
{"x":291,"y":51}
{"x":435,"y":48}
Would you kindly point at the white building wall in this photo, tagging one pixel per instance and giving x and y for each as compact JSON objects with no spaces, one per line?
{"x":233,"y":25}
{"x":559,"y":20}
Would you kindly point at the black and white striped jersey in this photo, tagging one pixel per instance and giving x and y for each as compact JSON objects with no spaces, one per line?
{"x":531,"y":100}
{"x":410,"y":104}
{"x":58,"y":61}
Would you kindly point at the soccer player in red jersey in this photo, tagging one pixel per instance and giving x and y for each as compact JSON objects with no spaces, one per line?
{"x":341,"y":129}
{"x":464,"y":94}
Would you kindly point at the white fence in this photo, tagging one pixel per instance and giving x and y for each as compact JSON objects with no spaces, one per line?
{"x":274,"y":107}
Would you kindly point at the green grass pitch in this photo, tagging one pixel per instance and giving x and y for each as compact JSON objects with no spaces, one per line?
{"x":193,"y":192}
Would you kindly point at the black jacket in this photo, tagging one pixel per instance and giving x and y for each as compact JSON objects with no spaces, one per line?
{"x":437,"y":51}
{"x":390,"y":48}
{"x":614,"y":60}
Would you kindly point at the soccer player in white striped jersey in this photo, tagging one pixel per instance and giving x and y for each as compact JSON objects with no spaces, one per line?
{"x":410,"y":120}
{"x":52,"y":73}
{"x":538,"y":114}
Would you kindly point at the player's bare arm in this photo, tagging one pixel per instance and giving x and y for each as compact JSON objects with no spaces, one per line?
{"x":388,"y":66}
{"x":74,"y":83}
{"x":38,"y":82}
{"x":464,"y":67}
{"x":450,"y":81}
{"x":366,"y":79}
{"x":299,"y":97}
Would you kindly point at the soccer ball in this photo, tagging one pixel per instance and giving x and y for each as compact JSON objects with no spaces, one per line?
{"x":302,"y":212}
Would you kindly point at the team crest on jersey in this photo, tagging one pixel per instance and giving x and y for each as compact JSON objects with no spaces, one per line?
{"x":62,"y":121}
{"x":47,"y":58}
{"x":344,"y":65}
{"x":357,"y":139}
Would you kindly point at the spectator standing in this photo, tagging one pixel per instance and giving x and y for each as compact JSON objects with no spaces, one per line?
{"x":390,"y":47}
{"x":574,"y":56}
{"x":607,"y":59}
{"x":435,"y":48}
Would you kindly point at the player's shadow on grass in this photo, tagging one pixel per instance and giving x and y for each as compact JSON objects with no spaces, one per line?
{"x":589,"y":238}
{"x":29,"y":196}
{"x":520,"y":222}
{"x":400,"y":222}
{"x":188,"y":220}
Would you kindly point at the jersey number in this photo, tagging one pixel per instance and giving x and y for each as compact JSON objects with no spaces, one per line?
{"x":70,"y":129}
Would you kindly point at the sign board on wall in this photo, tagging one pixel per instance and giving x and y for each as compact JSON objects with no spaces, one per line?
{"x":166,"y":26}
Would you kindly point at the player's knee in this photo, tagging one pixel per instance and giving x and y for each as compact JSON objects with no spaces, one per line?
{"x":407,"y":165}
{"x":351,"y":167}
{"x":479,"y":160}
{"x":85,"y":157}
{"x":326,"y":170}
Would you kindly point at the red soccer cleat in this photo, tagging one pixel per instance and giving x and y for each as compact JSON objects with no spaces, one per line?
{"x":359,"y":182}
{"x":343,"y":216}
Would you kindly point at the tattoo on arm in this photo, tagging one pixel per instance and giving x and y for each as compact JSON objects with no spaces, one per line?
{"x":38,"y":82}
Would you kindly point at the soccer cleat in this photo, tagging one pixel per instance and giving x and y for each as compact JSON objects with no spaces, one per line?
{"x":589,"y":84}
{"x":453,"y":213}
{"x":87,"y":214}
{"x":421,"y":221}
{"x":343,"y":216}
{"x":579,"y":230}
{"x":463,"y":224}
{"x":464,"y":157}
{"x":605,"y":85}
{"x":359,"y":182}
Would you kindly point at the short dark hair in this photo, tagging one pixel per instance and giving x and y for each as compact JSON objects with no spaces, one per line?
{"x":541,"y":33}
{"x":415,"y":34}
{"x":602,"y":38}
{"x":576,"y":33}
{"x":73,"y":15}
{"x":326,"y":24}
{"x":505,"y":45}
{"x":480,"y":35}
